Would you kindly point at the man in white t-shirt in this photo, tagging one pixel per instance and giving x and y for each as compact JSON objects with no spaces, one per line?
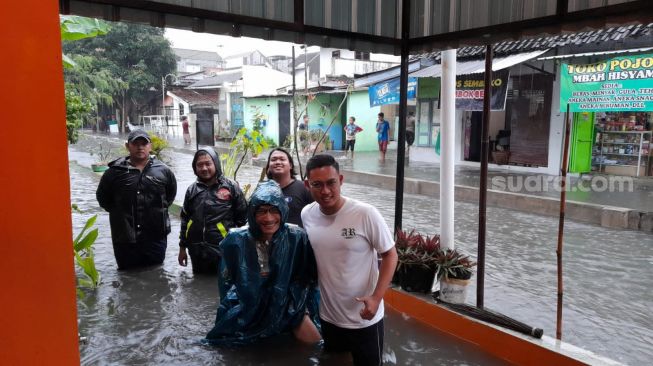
{"x":347,"y":237}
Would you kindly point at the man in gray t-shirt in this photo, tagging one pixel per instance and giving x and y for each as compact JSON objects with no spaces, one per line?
{"x":347,"y":236}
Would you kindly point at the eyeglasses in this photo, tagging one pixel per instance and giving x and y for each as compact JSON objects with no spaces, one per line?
{"x":318,"y":186}
{"x":262,"y":211}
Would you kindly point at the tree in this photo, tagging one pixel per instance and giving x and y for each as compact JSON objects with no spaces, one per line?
{"x":135,"y":56}
{"x":77,"y":110}
{"x":78,"y":107}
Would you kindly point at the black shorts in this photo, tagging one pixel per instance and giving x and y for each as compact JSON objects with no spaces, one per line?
{"x":410,"y":137}
{"x":350,"y":143}
{"x":365,"y":344}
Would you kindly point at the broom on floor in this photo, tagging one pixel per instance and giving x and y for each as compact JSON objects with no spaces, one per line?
{"x":493,"y":318}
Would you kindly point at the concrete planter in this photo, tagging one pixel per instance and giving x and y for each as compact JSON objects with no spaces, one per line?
{"x":99,"y":168}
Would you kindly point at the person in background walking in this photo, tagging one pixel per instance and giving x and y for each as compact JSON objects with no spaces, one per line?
{"x":410,"y":132}
{"x":347,"y":237}
{"x":213,"y":205}
{"x":410,"y":128}
{"x":185,"y":129}
{"x":351,"y":129}
{"x":382,"y":128}
{"x":137,"y":191}
{"x":281,"y":169}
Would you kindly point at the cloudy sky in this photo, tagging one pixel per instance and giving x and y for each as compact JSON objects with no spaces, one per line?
{"x":225,"y":45}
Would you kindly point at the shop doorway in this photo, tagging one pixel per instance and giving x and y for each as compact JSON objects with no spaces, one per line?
{"x":473,"y":126}
{"x":284,"y":121}
{"x":582,"y":139}
{"x":428,"y":122}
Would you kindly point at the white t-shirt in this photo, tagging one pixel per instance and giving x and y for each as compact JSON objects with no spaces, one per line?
{"x":346,"y":246}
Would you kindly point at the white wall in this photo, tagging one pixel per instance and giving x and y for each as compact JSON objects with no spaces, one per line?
{"x":325,"y":62}
{"x":234,"y":62}
{"x":260,"y":80}
{"x":556,"y":131}
{"x":385,"y":58}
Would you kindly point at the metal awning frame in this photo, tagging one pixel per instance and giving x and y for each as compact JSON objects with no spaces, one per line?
{"x":201,"y":20}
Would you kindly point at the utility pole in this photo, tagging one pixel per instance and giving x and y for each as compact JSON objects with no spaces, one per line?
{"x":163,"y":94}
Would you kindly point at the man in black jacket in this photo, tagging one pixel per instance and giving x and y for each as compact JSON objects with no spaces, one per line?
{"x":137,"y":191}
{"x":212,"y":205}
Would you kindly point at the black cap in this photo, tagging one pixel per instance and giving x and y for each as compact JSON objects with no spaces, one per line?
{"x":138,"y":134}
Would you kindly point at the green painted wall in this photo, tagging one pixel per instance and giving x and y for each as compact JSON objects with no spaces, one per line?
{"x":270,"y":108}
{"x":321,"y":111}
{"x":358,"y":105}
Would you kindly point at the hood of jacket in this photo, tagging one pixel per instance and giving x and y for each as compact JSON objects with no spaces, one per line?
{"x":266,"y":193}
{"x":214,"y":156}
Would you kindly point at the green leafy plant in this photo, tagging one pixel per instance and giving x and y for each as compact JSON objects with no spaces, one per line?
{"x":257,"y":119}
{"x":75,"y":27}
{"x":416,"y":249}
{"x":77,"y":110}
{"x":78,"y":107}
{"x":270,"y":141}
{"x":103,"y":151}
{"x":158,"y":145}
{"x":85,"y":257}
{"x":454,"y":264}
{"x":244,"y":142}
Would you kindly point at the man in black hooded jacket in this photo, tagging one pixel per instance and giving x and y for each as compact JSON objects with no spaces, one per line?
{"x":213,"y":205}
{"x":137,"y":191}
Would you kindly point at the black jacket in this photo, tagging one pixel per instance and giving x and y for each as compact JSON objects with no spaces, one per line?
{"x":211,"y":210}
{"x":137,"y":201}
{"x":221,"y":203}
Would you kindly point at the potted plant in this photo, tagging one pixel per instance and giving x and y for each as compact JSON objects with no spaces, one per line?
{"x":103,"y":152}
{"x":454,"y":270}
{"x":319,"y":140}
{"x":416,"y":267}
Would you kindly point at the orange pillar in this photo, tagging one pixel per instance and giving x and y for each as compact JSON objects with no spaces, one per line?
{"x":38,"y":320}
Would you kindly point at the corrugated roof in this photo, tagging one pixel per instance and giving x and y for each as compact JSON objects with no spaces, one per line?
{"x":533,"y":44}
{"x":378,"y":76}
{"x":217,"y":80}
{"x":196,"y":54}
{"x":198,"y":97}
{"x":478,"y":66}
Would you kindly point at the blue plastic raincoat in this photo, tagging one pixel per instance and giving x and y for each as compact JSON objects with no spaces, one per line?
{"x":254,"y":306}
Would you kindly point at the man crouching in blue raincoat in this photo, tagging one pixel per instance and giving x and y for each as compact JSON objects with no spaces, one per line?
{"x":268,"y":276}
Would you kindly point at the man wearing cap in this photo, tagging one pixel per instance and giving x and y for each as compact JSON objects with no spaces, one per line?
{"x":137,"y":190}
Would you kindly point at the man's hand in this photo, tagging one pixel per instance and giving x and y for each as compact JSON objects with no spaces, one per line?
{"x":371,"y":305}
{"x":183,"y":257}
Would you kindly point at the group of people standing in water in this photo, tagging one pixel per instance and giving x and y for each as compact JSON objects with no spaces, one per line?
{"x":298,"y":258}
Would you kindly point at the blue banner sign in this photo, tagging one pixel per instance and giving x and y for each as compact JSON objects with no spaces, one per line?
{"x":387,"y":92}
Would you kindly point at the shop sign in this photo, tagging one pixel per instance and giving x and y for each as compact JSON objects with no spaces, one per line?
{"x":619,"y":84}
{"x":470,"y":92}
{"x":387,"y":92}
{"x":428,"y":88}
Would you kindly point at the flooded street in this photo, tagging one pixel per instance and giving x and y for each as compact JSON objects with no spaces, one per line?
{"x":159,"y":315}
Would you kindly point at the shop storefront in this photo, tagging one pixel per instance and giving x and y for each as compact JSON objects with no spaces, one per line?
{"x":519,"y":127}
{"x":612,"y":104}
{"x":623,"y":143}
